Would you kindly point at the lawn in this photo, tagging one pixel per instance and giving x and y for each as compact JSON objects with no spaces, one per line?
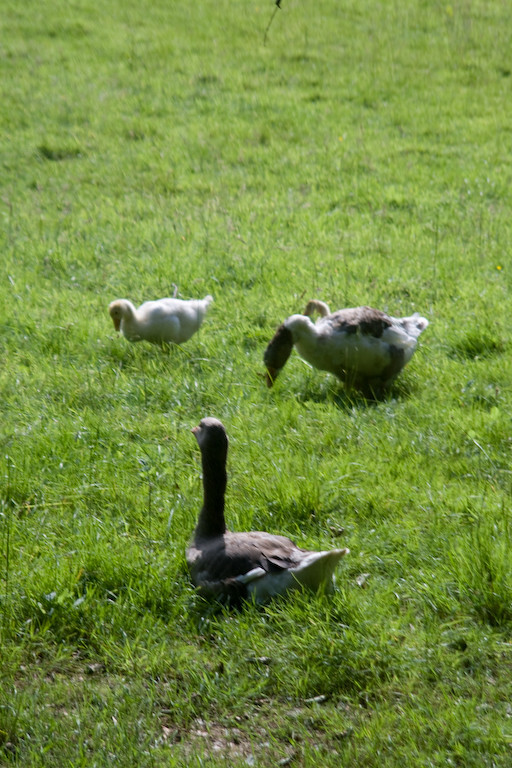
{"x":358,"y":153}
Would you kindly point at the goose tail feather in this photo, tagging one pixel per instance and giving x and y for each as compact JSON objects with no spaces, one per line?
{"x":318,"y":568}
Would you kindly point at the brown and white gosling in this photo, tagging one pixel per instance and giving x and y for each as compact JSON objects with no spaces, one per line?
{"x":162,"y":321}
{"x":363,"y":347}
{"x":252,"y":565}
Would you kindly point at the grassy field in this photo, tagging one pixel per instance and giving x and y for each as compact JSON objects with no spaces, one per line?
{"x":362,"y":154}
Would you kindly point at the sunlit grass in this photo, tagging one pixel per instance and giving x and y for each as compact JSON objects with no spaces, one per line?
{"x":360,"y":156}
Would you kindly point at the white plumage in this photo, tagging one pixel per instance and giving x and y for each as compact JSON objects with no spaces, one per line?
{"x":362,"y":346}
{"x":161,"y":321}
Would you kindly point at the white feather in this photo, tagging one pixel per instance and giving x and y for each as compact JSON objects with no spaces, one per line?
{"x":164,"y":320}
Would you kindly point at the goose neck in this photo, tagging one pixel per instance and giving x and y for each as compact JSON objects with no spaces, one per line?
{"x":211,"y":518}
{"x":300,"y":327}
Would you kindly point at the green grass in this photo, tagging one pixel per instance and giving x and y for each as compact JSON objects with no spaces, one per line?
{"x":362,"y":155}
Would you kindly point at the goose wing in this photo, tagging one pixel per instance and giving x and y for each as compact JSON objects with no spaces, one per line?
{"x":235,"y":554}
{"x":159,"y":309}
{"x":363,"y":320}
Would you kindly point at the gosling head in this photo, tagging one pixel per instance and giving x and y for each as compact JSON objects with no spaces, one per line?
{"x":116,"y":311}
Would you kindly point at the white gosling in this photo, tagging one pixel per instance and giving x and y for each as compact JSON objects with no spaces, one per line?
{"x":252,"y":565}
{"x":363,"y":347}
{"x":161,"y":321}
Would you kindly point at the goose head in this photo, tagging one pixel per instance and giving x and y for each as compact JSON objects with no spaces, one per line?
{"x":211,"y":437}
{"x":277,"y":353}
{"x":119,"y":309}
{"x":315,"y":305}
{"x":294,"y":329}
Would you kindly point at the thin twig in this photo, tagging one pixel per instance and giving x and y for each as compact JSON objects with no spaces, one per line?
{"x":276,"y":9}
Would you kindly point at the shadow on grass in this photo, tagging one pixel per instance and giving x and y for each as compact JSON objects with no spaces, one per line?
{"x":478,"y":343}
{"x":346,"y":399}
{"x":57,"y":153}
{"x":127,"y":356}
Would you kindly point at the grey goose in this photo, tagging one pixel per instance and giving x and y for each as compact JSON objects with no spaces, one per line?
{"x":238,"y":565}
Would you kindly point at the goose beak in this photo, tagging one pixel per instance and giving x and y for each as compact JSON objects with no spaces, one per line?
{"x":271,"y":376}
{"x":195,"y":430}
{"x":117,"y":323}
